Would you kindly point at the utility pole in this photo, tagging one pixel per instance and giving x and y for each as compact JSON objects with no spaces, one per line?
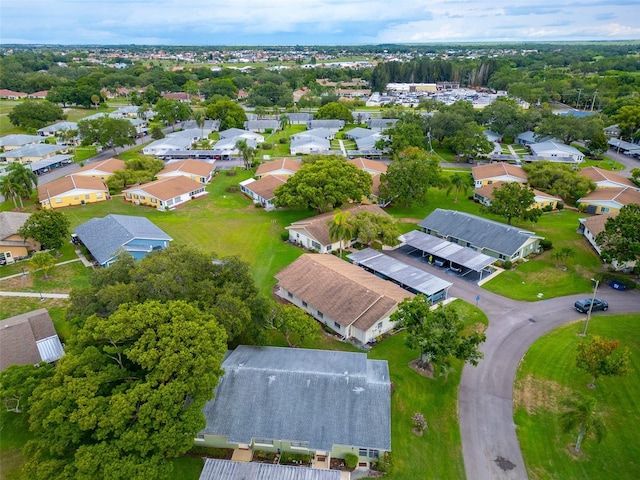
{"x":593,"y":102}
{"x":578,"y":101}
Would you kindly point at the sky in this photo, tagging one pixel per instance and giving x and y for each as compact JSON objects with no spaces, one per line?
{"x":314,"y":22}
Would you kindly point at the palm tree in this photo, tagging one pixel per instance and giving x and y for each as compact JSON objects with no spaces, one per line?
{"x":198,"y":116}
{"x":248,"y":153}
{"x":284,"y":121}
{"x":23,"y":180}
{"x":580,"y":413}
{"x":340,"y":228}
{"x":8,"y":189}
{"x":458,"y":182}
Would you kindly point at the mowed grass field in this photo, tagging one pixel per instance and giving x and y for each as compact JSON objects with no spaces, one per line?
{"x":547,"y":374}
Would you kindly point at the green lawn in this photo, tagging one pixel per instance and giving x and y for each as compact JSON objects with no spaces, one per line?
{"x":82,"y":153}
{"x":541,"y":384}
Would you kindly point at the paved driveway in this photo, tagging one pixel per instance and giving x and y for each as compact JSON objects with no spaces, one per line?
{"x":485,"y":399}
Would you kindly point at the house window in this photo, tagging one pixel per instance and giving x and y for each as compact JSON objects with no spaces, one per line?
{"x":304,"y":304}
{"x":141,"y":197}
{"x":98,"y":195}
{"x":300,"y":445}
{"x":76,"y":197}
{"x":289,"y":294}
{"x":320,"y":314}
{"x":87,"y":197}
{"x":263,"y":441}
{"x":374,"y":453}
{"x":135,"y":196}
{"x":379,"y":325}
{"x":362,"y":452}
{"x":337,"y":325}
{"x":128,"y":195}
{"x":200,"y":437}
{"x":153,"y":200}
{"x":315,"y":245}
{"x":58,"y":200}
{"x":604,"y":210}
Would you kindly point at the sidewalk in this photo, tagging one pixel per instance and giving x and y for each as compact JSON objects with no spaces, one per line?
{"x":34,"y":294}
{"x":17,"y":275}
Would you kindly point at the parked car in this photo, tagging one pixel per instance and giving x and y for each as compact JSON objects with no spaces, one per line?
{"x":583,"y":305}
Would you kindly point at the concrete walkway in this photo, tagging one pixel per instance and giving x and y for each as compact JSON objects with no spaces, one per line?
{"x":34,"y":294}
{"x":26,"y":272}
{"x":344,"y":150}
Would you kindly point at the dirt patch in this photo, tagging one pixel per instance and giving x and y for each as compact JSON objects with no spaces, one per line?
{"x":535,"y":394}
{"x":422,"y":368}
{"x":417,"y":432}
{"x":409,"y":220}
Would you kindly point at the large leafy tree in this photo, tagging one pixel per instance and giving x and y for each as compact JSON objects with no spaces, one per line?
{"x":17,"y":383}
{"x":43,"y":261}
{"x":620,"y":239}
{"x":438,"y":334}
{"x":107,"y":131}
{"x":628,"y":118}
{"x":334,"y":111}
{"x":503,"y":116}
{"x":469,"y":141}
{"x":172,"y":111}
{"x":512,"y":200}
{"x":558,"y":179}
{"x":128,"y":395}
{"x":597,"y":358}
{"x":47,"y":227}
{"x":324,"y":185}
{"x":369,"y":226}
{"x":580,"y":413}
{"x":293,"y":322}
{"x":230,"y":114}
{"x":35,"y":114}
{"x":409,"y":177}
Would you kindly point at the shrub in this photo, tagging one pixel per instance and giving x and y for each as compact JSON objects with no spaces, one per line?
{"x":285,"y":236}
{"x":384,"y":463}
{"x":507,"y":264}
{"x":546,"y":244}
{"x":212,"y":452}
{"x":266,"y":146}
{"x":287,"y":458}
{"x":268,"y":130}
{"x":419,"y":422}
{"x":351,"y":460}
{"x":283,"y":140}
{"x":232,"y":189}
{"x":231,"y":173}
{"x":560,"y":206}
{"x":547,"y":208}
{"x":263,"y":455}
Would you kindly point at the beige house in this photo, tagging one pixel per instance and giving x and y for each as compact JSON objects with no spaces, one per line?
{"x":590,"y":227}
{"x":369,"y":166}
{"x":196,"y":170}
{"x":497,"y":172}
{"x":606,"y":179}
{"x":608,"y":200}
{"x":281,"y":166}
{"x":12,"y":245}
{"x":166,"y":193}
{"x":485,"y":196}
{"x":72,"y":190}
{"x":262,"y":191}
{"x":351,"y":301}
{"x":102,"y":170}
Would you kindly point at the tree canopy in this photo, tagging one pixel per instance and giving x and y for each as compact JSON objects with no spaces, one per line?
{"x":512,"y":200}
{"x":35,"y":114}
{"x":230,"y":114}
{"x":171,"y":111}
{"x":128,"y":395}
{"x":409,"y":177}
{"x":558,"y":179}
{"x":324,"y":185}
{"x":597,"y":358}
{"x":107,"y":131}
{"x":368,"y":226}
{"x":47,"y":227}
{"x":620,"y":240}
{"x":335,"y":111}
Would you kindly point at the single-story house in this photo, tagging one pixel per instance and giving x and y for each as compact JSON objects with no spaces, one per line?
{"x":370,"y":166}
{"x":262,"y":125}
{"x":313,"y":233}
{"x":352,"y":302}
{"x":19,"y":140}
{"x":218,"y":469}
{"x":166,"y":193}
{"x":556,"y":151}
{"x":369,"y":142}
{"x":229,"y":146}
{"x":40,"y":95}
{"x":194,"y":169}
{"x":529,"y":137}
{"x":490,"y":173}
{"x":57,"y":129}
{"x":282,"y":166}
{"x":325,"y":133}
{"x":608,"y":200}
{"x":32,"y":153}
{"x":359,"y":132}
{"x":613,"y":131}
{"x":182,"y":140}
{"x":102,"y":169}
{"x":182,"y":97}
{"x":493,"y":136}
{"x":495,"y":239}
{"x":242,"y":134}
{"x":334,"y":125}
{"x":72,"y":190}
{"x":299,"y":118}
{"x":106,"y":237}
{"x":305,"y":145}
{"x":29,"y":338}
{"x":209,"y":126}
{"x":484,"y":196}
{"x":12,"y":245}
{"x":606,"y":179}
{"x":11,"y":95}
{"x":262,"y":191}
{"x":590,"y":227}
{"x":381,"y":124}
{"x":317,"y":402}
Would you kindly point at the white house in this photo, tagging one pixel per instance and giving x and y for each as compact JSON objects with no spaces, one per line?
{"x":556,"y":151}
{"x":261,"y":191}
{"x":305,"y":145}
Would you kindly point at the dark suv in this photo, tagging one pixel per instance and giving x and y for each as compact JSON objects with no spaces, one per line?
{"x":583,"y":305}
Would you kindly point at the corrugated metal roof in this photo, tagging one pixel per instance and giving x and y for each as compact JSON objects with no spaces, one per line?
{"x":216,"y":469}
{"x":322,"y":397}
{"x":465,"y":256}
{"x":400,"y":272}
{"x":50,"y":349}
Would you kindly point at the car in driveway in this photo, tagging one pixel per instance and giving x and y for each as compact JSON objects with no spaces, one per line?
{"x":583,"y":305}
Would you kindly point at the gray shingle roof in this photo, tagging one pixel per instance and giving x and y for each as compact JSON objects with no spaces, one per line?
{"x":37,"y":150}
{"x":105,"y":236}
{"x":322,"y":397}
{"x":480,"y":232}
{"x":10,"y":223}
{"x":216,"y":469}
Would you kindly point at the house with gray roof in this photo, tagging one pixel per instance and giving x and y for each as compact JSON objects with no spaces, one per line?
{"x":320,"y":402}
{"x":556,"y":151}
{"x":262,"y":125}
{"x":325,"y":133}
{"x":32,"y":153}
{"x":359,"y":132}
{"x":18,"y":140}
{"x":306,"y":145}
{"x":334,"y":125}
{"x":106,"y":237}
{"x":57,"y":129}
{"x":495,"y":239}
{"x":209,"y":125}
{"x":218,"y":469}
{"x":29,"y":338}
{"x":380,"y":124}
{"x":241,"y":134}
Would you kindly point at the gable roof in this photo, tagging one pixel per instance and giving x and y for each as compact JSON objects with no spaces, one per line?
{"x":487,"y":192}
{"x":103,"y":237}
{"x":620,"y":196}
{"x":29,"y":338}
{"x":289,"y":164}
{"x":551,"y":145}
{"x":109,"y":165}
{"x":217,"y":469}
{"x":346,"y":293}
{"x":317,"y":227}
{"x":310,"y":140}
{"x":35,"y":150}
{"x":190,"y":166}
{"x":480,"y":232}
{"x":369,"y":165}
{"x":10,"y":223}
{"x":596,"y":223}
{"x":322,"y":397}
{"x":69,"y":183}
{"x":19,"y":139}
{"x":498,"y":169}
{"x":599,"y":175}
{"x":265,"y":186}
{"x":167,"y":188}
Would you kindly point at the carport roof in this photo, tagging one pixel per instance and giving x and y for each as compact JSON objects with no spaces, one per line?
{"x":398,"y":271}
{"x":464,"y":256}
{"x":47,"y":162}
